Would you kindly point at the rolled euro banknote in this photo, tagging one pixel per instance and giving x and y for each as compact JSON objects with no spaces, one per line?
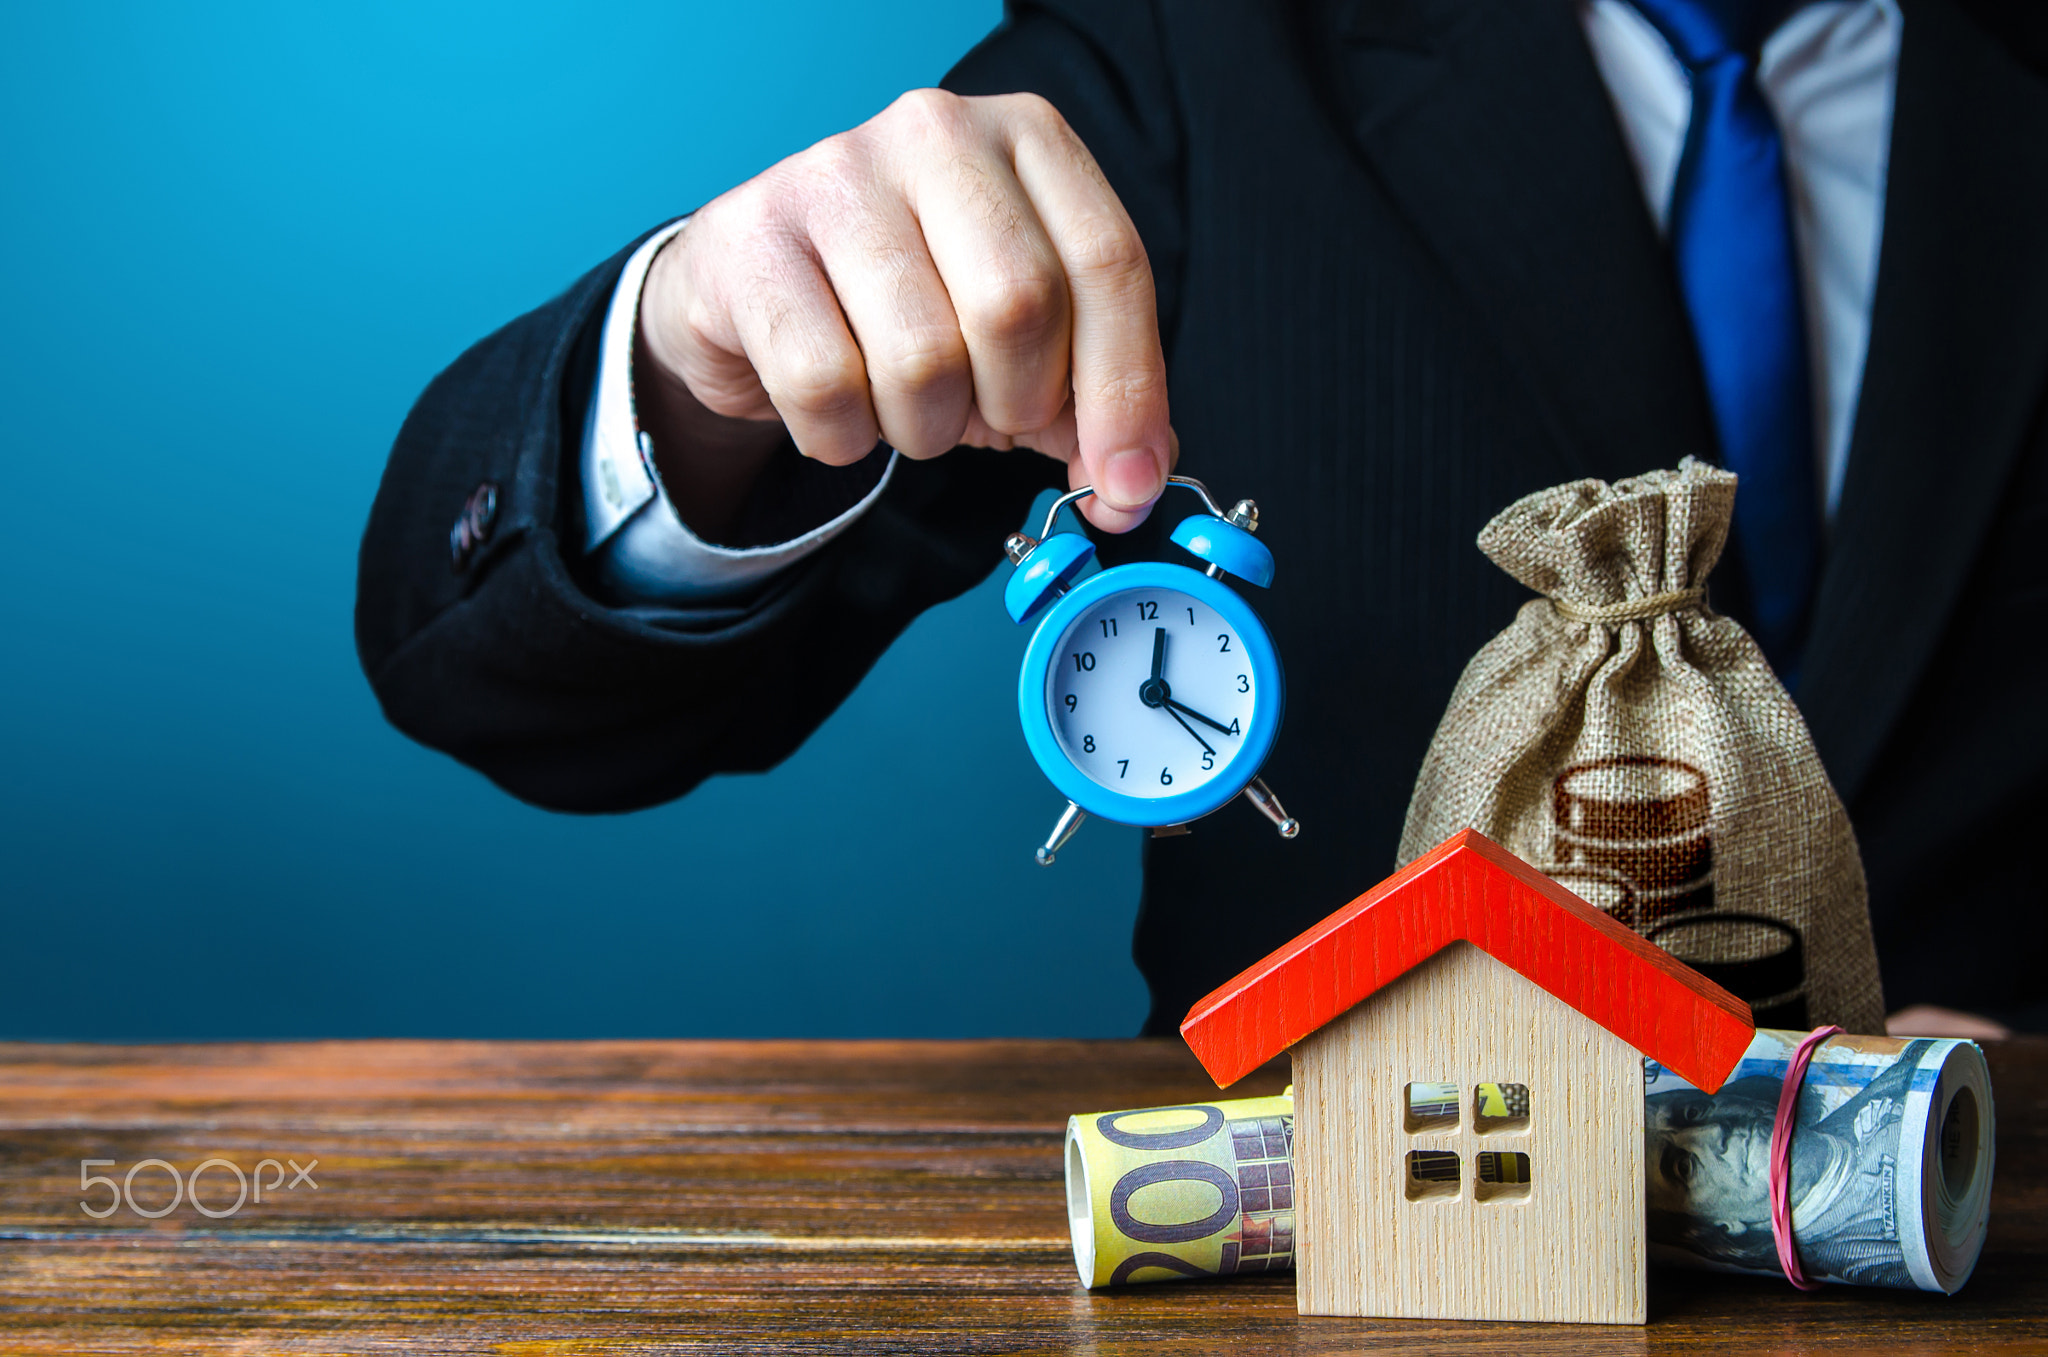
{"x":1890,"y":1173}
{"x":1200,"y":1190}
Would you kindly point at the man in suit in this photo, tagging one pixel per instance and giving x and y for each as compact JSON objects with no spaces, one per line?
{"x":1397,"y":263}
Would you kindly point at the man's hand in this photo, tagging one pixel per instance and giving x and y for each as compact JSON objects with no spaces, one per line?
{"x":1929,"y":1020}
{"x":955,"y":270}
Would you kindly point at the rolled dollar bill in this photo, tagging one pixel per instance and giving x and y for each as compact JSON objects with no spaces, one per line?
{"x":1891,"y":1161}
{"x":1890,"y":1185}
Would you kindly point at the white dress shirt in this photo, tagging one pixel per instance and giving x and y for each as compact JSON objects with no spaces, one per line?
{"x":1828,"y":74}
{"x":645,"y":552}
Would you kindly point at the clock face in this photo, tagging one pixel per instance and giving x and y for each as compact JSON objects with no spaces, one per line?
{"x":1151,"y":693}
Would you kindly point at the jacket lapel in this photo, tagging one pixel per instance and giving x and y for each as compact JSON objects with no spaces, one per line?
{"x":1958,"y":353}
{"x":1488,"y":125}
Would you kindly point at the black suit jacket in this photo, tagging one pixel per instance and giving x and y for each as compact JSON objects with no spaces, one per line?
{"x":1405,"y":276}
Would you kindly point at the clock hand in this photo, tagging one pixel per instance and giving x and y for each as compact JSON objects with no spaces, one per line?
{"x":1153,"y":691}
{"x":1205,"y":720}
{"x":1186,"y":727}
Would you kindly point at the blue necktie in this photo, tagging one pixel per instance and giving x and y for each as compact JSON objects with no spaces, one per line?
{"x":1738,"y":267}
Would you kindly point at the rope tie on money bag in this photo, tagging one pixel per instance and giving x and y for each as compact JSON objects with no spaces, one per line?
{"x":1781,"y":1156}
{"x":1634,"y":610}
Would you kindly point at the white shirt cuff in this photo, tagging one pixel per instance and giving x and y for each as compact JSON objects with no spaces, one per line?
{"x":645,"y":553}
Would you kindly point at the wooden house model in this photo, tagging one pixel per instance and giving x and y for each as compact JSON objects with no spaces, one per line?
{"x":1468,"y":1042}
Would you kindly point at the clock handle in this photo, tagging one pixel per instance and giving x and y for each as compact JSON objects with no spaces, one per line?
{"x":1070,"y":820}
{"x":1186,"y":482}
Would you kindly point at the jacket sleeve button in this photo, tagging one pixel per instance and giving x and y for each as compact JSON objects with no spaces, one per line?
{"x":473,"y":527}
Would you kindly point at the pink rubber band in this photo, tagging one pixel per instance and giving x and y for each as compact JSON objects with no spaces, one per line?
{"x":1781,"y":1156}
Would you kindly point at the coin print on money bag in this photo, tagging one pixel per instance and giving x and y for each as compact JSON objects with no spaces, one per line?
{"x":1633,"y":834}
{"x":1758,"y":959}
{"x":1641,"y":822}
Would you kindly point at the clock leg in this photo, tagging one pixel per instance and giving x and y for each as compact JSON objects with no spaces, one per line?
{"x":1070,"y":820}
{"x":1260,"y":795}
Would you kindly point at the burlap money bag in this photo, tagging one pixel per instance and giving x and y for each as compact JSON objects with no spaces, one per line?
{"x":1636,"y":746}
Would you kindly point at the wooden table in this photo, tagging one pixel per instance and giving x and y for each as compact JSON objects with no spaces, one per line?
{"x":805,"y":1197}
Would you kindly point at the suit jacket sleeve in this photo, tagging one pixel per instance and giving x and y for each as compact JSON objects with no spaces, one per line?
{"x":513,"y":664}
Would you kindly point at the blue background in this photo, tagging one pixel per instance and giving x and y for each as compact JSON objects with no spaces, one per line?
{"x":237,"y":244}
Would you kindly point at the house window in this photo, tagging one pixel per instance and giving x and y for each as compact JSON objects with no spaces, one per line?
{"x":1431,"y":1107}
{"x":1500,"y":1107}
{"x":1438,"y":1174}
{"x":1501,"y":1175}
{"x":1433,"y":1175}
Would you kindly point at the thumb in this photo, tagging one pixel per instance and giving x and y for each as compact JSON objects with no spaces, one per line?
{"x":1060,"y":440}
{"x":1133,"y":476}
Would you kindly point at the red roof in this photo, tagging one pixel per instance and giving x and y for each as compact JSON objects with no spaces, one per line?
{"x":1470,"y":888}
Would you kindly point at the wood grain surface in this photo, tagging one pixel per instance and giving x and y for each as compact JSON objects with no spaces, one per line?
{"x":668,"y":1197}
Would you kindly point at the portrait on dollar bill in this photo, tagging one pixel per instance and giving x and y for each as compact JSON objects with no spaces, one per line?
{"x":1709,"y":1159}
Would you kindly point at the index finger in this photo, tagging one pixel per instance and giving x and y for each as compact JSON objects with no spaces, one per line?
{"x":1119,"y":369}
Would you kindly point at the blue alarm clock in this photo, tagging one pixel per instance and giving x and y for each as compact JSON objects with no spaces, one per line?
{"x":1150,"y":692}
